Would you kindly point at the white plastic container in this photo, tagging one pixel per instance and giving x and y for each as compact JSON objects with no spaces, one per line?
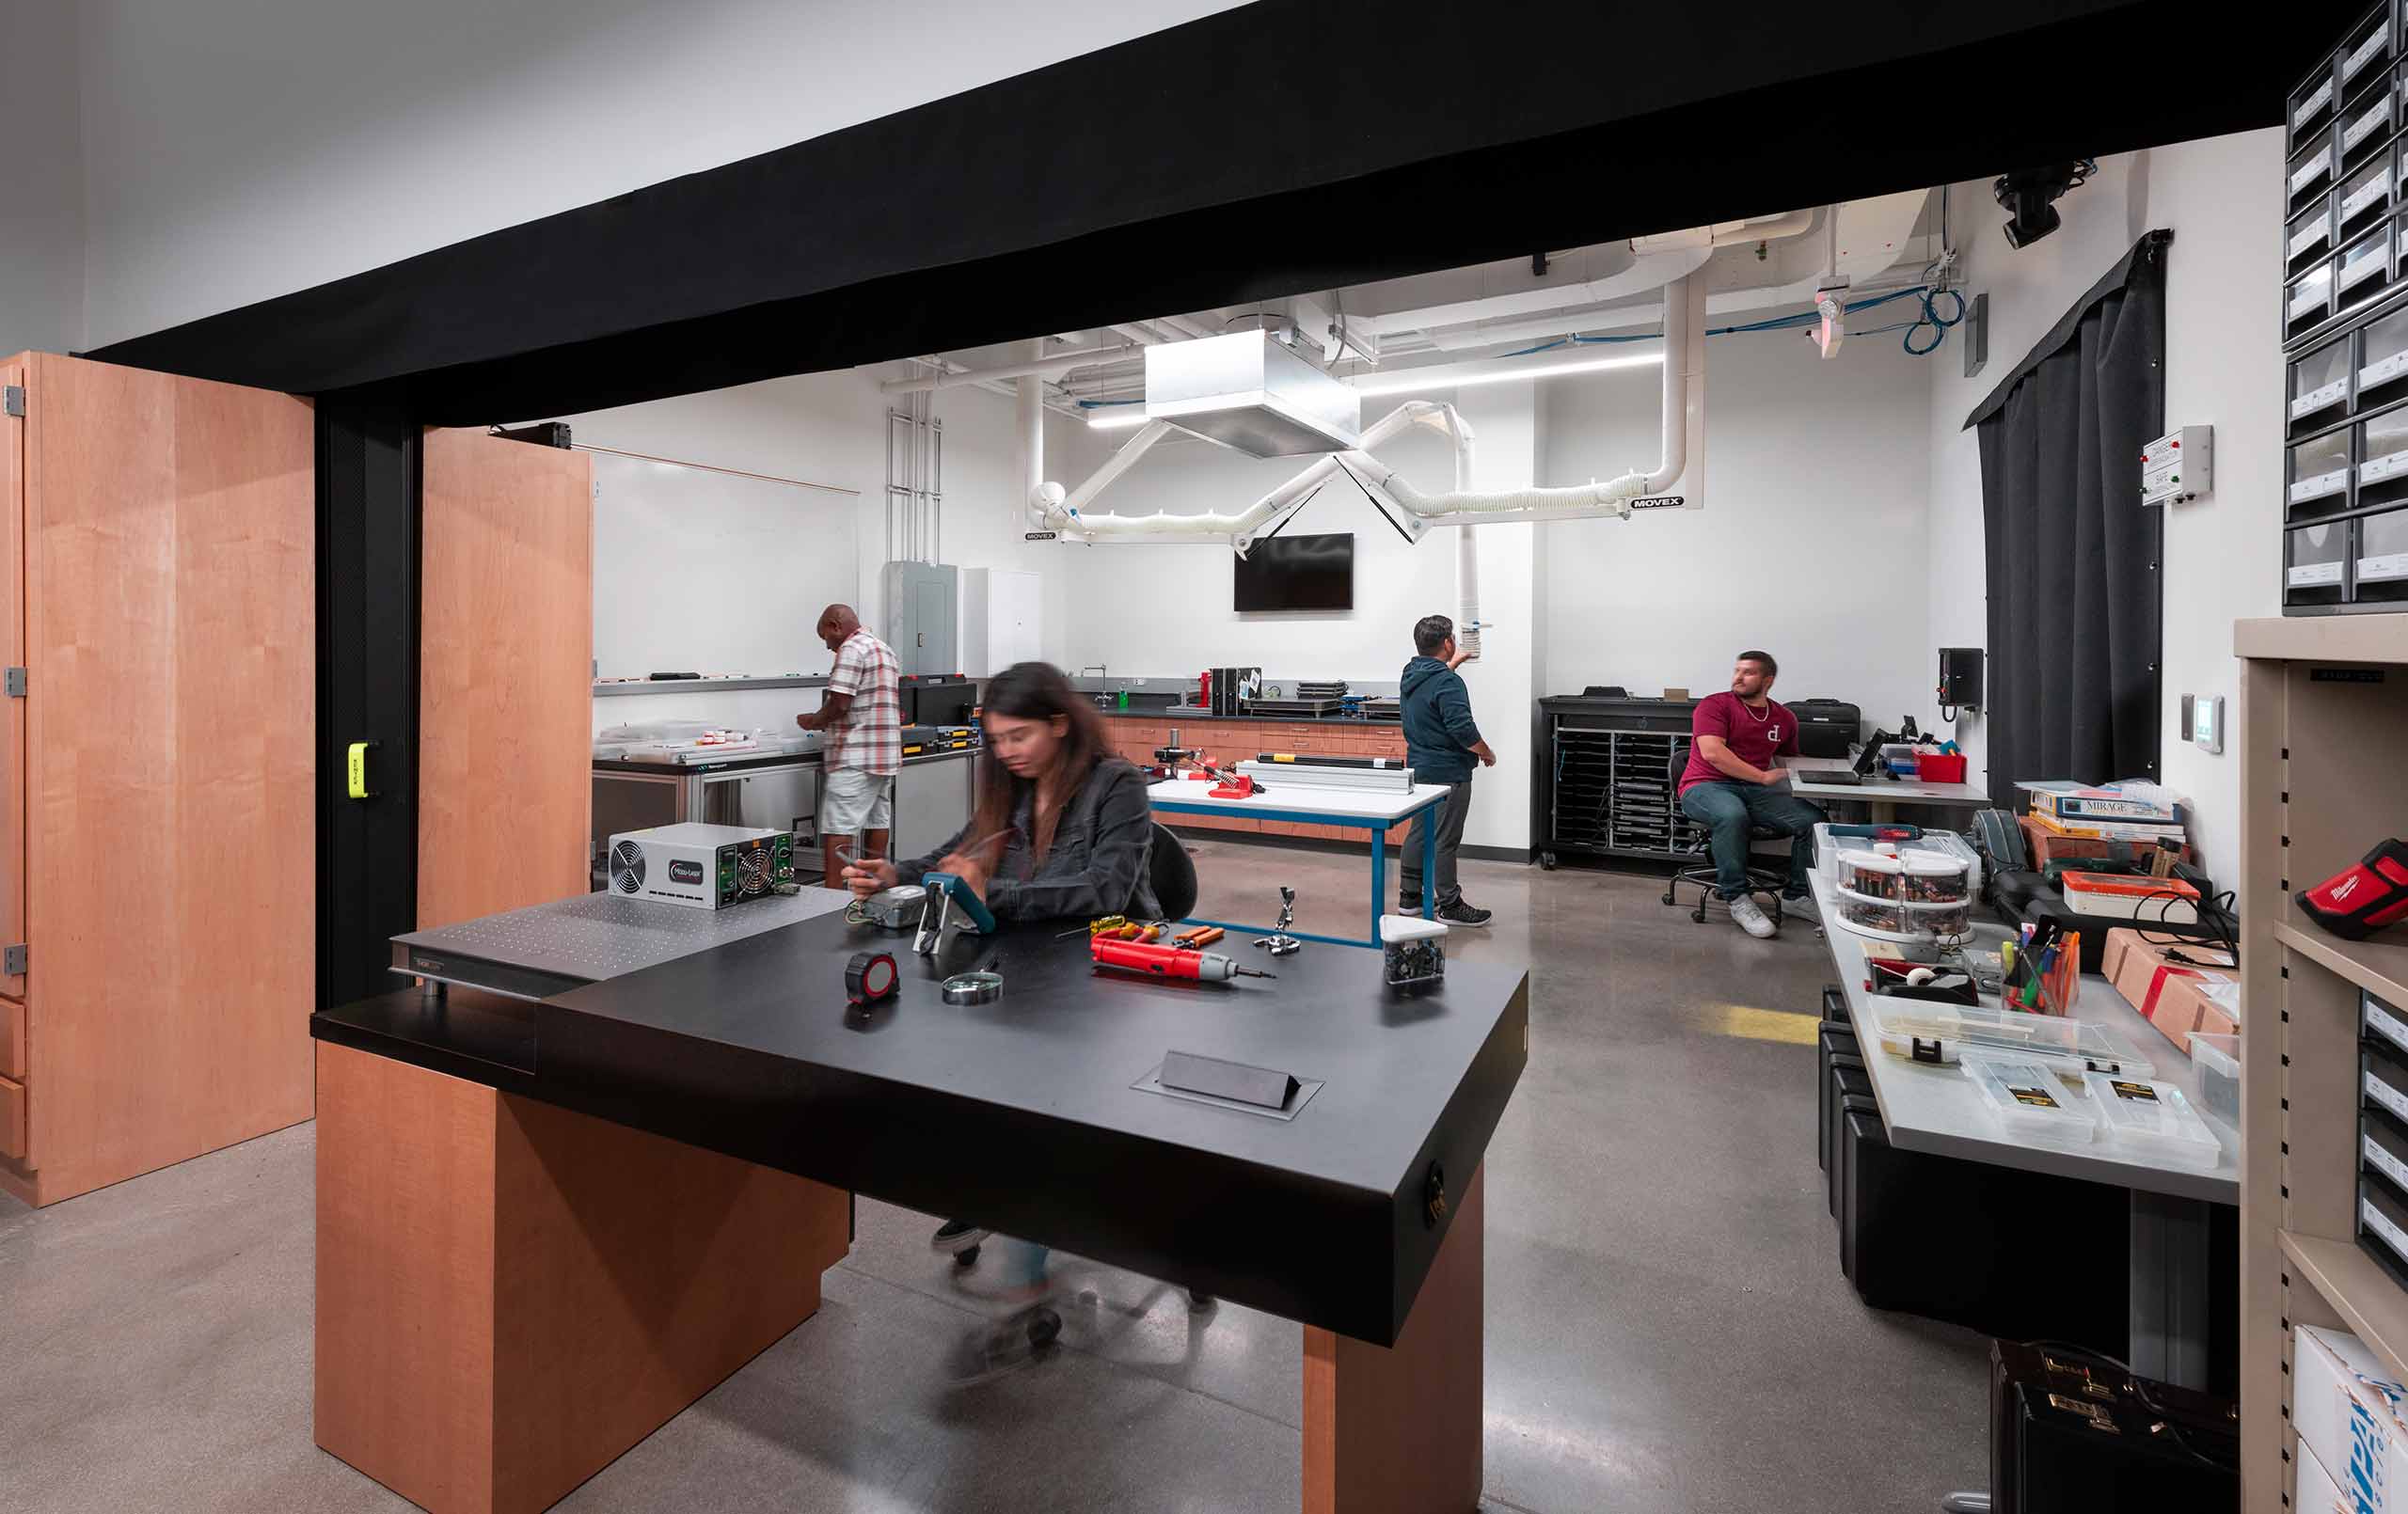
{"x":2153,"y":1120}
{"x":2029,"y":1103}
{"x":1413,"y":950}
{"x":2218,"y":1059}
{"x":1921,"y":1031}
{"x":1897,"y":919}
{"x":2150,"y":901}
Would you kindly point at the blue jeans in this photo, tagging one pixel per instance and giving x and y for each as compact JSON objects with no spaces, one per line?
{"x":1728,"y":811}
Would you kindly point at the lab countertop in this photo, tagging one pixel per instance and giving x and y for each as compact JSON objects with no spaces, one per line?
{"x":748,"y":1048}
{"x":1177,"y":717}
{"x":1935,"y":1109}
{"x":752,"y":760}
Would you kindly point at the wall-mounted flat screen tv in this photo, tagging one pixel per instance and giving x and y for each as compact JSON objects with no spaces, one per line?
{"x":1288,"y":572}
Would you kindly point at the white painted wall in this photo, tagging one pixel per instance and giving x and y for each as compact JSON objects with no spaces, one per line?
{"x":1164,"y":610}
{"x":41,"y":180}
{"x":1812,"y":544}
{"x":238,"y":152}
{"x":2224,"y":368}
{"x":828,"y":428}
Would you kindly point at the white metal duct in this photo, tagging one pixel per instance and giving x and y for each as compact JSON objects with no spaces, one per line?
{"x":1249,"y":393}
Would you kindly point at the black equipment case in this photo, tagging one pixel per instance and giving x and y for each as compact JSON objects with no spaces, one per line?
{"x":1825,"y":728}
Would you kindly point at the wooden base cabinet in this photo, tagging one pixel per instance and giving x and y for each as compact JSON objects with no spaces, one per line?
{"x":158,"y":858}
{"x":511,"y":1294}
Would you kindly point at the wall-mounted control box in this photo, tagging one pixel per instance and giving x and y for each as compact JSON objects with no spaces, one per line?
{"x":2178,"y":467}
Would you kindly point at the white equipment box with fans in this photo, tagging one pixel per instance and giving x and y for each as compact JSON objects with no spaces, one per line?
{"x":703,"y":867}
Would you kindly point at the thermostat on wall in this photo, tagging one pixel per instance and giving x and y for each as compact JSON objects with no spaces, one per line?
{"x":2178,"y":467}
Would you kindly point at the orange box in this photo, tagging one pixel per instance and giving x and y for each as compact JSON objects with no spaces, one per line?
{"x":2169,"y":995}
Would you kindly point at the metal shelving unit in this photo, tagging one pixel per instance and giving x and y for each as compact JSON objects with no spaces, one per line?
{"x":2345,"y":328}
{"x":1605,"y":789}
{"x":2323,"y":721}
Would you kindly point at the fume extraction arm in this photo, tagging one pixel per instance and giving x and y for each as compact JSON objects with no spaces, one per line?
{"x":1068,"y":515}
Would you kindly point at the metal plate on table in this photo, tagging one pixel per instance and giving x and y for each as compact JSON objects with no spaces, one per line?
{"x":549,"y":948}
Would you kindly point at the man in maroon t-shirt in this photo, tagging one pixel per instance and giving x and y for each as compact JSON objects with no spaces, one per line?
{"x":1735,"y":782}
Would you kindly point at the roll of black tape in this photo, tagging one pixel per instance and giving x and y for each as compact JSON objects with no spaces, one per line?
{"x":870,"y":978}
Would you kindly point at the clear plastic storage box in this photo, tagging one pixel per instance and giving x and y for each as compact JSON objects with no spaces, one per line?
{"x":2153,"y":1120}
{"x":2031,"y":1103}
{"x":1921,"y":1030}
{"x":2217,"y":1058}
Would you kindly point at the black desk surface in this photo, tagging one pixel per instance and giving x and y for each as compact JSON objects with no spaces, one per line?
{"x":1021,"y":1115}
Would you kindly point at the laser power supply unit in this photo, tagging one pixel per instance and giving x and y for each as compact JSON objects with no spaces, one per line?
{"x":703,"y":867}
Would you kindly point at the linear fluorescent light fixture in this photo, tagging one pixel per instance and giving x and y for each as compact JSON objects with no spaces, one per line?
{"x":1457,"y":375}
{"x":1119,"y":417}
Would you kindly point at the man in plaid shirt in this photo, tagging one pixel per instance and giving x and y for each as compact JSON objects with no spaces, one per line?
{"x":862,"y":714}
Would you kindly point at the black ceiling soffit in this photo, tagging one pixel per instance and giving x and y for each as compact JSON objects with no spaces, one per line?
{"x":1284,"y":146}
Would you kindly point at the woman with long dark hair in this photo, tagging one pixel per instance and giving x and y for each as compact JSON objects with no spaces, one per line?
{"x":1062,"y":827}
{"x":1076,"y":836}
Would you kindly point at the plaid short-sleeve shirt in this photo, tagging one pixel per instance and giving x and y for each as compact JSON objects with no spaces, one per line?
{"x":870,"y":735}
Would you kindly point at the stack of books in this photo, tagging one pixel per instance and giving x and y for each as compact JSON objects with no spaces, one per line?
{"x":2139,"y":812}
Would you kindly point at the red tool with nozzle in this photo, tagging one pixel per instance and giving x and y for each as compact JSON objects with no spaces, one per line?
{"x":1168,"y":961}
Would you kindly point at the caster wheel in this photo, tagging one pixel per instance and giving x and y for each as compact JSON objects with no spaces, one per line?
{"x":1698,"y":914}
{"x":1547,"y":862}
{"x":966,"y":1256}
{"x":1667,"y":896}
{"x":1043,"y":1326}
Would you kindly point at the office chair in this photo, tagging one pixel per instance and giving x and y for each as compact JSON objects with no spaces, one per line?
{"x":1172,"y":873}
{"x":1700,"y":875}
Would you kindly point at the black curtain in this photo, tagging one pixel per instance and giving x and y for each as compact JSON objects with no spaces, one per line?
{"x":2072,"y":554}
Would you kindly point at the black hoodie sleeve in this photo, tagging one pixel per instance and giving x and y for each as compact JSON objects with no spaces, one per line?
{"x":1454,"y":708}
{"x":1118,"y":857}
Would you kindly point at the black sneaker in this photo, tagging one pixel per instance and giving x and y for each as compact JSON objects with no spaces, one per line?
{"x":1462,"y":913}
{"x":957,"y":1236}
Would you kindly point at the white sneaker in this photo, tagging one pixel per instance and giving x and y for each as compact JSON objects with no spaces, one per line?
{"x":1748,"y":918}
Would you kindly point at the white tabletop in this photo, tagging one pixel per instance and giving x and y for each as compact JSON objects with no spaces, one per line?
{"x":1895,"y":791}
{"x":1935,"y":1109}
{"x":1180,"y":795}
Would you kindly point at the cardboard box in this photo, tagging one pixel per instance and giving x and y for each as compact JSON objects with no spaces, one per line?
{"x":2348,"y":1413}
{"x":2171,"y":996}
{"x":2313,"y":1490}
{"x":2047,"y":843}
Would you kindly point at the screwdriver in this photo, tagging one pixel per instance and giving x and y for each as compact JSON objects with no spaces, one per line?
{"x":1169,"y":961}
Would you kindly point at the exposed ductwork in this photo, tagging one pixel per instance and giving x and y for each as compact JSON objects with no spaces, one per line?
{"x":1655,"y":261}
{"x":1683,"y":412}
{"x":1053,"y":366}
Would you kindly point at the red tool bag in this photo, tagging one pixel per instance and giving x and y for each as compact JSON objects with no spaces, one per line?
{"x":2365,"y":897}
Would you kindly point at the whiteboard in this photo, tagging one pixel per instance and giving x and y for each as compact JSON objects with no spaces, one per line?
{"x":708,"y":573}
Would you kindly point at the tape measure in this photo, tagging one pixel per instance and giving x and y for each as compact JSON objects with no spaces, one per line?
{"x":870,"y":978}
{"x":974,"y":988}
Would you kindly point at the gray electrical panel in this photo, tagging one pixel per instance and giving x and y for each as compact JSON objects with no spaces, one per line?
{"x":922,"y":608}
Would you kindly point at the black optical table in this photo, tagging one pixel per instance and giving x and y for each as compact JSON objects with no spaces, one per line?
{"x":616,"y":1195}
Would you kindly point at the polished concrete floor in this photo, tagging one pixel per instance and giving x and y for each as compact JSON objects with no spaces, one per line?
{"x":1667,"y":1329}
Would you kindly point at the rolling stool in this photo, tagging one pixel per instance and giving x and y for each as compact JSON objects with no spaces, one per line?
{"x":1700,"y":875}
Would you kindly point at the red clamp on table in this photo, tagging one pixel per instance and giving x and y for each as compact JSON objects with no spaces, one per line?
{"x":1240,"y":787}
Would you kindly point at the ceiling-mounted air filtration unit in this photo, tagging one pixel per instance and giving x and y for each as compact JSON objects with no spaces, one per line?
{"x":1251,"y":394}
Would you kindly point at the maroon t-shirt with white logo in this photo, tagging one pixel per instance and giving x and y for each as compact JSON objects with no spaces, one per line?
{"x":1755,"y":737}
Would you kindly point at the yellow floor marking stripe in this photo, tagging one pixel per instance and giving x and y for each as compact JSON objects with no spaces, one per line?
{"x":1749,"y":1023}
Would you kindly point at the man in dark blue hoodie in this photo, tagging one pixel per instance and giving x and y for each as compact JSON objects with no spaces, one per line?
{"x":1441,"y":743}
